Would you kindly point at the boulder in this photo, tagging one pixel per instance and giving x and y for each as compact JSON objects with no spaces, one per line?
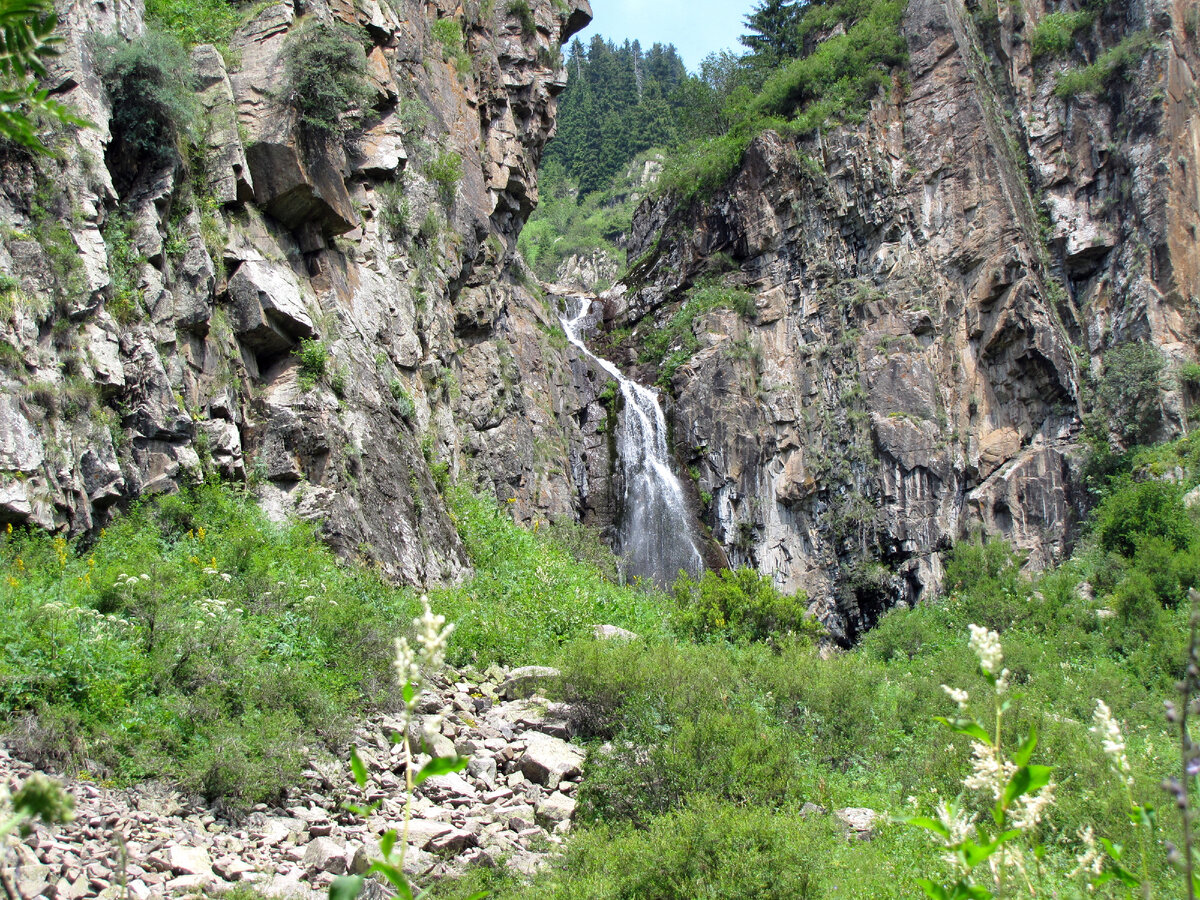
{"x":548,"y":760}
{"x":525,"y":681}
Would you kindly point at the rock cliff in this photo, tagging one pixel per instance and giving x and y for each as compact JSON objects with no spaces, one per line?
{"x":333,"y":320}
{"x":933,"y":288}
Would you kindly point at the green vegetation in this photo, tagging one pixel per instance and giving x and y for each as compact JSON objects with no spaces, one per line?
{"x":449,"y":34}
{"x":566,"y":224}
{"x":404,"y":401}
{"x":809,"y":65}
{"x":1126,"y":404}
{"x":739,"y":606}
{"x":620,"y":101}
{"x":125,"y":270}
{"x":674,"y":344}
{"x":194,"y":22}
{"x":27,"y":38}
{"x":1116,"y":62}
{"x":1055,"y":34}
{"x":326,"y":69}
{"x":246,"y":640}
{"x":314,"y":362}
{"x":446,"y":171}
{"x":148,"y":81}
{"x":520,"y":9}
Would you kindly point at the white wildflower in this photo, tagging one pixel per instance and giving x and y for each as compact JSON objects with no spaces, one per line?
{"x":958,"y":696}
{"x":145,"y":577}
{"x":433,"y":634}
{"x":1091,"y":860}
{"x":407,"y":669}
{"x":986,"y":645}
{"x":1031,"y":808}
{"x":960,"y":828}
{"x":1002,"y":682}
{"x":989,"y":771}
{"x":226,"y":577}
{"x":1109,"y":731}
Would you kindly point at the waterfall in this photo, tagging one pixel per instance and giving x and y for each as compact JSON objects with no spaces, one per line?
{"x":655,"y":535}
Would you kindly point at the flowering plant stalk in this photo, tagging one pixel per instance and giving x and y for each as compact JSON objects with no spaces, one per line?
{"x":1183,"y":788}
{"x":414,"y":666}
{"x":39,"y":798}
{"x":1018,"y":791}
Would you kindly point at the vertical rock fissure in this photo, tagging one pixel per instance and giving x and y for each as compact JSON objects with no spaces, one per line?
{"x":655,"y":536}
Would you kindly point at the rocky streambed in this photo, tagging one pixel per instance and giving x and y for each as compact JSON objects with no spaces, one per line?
{"x":510,"y":807}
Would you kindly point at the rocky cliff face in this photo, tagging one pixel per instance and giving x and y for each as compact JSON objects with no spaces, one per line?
{"x":331,"y":321}
{"x":932,"y":288}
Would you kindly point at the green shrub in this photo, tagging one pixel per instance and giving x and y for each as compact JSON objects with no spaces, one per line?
{"x":1113,"y":63}
{"x":1133,"y":512}
{"x":739,"y":605}
{"x":154,"y":111}
{"x":404,"y":402}
{"x":446,"y":171}
{"x":1055,"y":34}
{"x":395,"y":212}
{"x":1127,"y":404}
{"x":125,"y":270}
{"x":326,"y":68}
{"x":449,"y":34}
{"x":520,"y":9}
{"x":314,"y":362}
{"x":194,"y":22}
{"x":674,"y":345}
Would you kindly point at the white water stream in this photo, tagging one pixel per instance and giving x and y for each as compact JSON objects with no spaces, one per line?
{"x":655,"y":536}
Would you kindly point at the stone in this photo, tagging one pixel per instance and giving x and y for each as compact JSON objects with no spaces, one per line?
{"x":613,"y":633}
{"x":422,"y":831}
{"x":556,"y":808}
{"x":548,"y":760}
{"x":324,"y":855}
{"x":526,"y":681}
{"x":184,"y":860}
{"x":859,"y":821}
{"x":268,"y":312}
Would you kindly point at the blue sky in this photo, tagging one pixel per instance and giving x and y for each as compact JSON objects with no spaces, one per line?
{"x":696,"y":27}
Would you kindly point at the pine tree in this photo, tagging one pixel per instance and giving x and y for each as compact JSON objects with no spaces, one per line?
{"x":772,"y":33}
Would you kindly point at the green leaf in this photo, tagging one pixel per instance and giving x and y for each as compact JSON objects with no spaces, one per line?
{"x":1026,"y":780}
{"x":409,"y":692}
{"x":345,"y":887}
{"x":929,"y":825}
{"x":442,"y":765}
{"x":395,"y":878}
{"x":969,"y":727}
{"x":1113,"y":850}
{"x":1025,"y":751}
{"x":1144,"y":815}
{"x":387,"y":842}
{"x":358,"y":767}
{"x":933,"y":891}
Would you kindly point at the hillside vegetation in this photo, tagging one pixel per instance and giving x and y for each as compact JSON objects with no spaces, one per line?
{"x":198,"y":640}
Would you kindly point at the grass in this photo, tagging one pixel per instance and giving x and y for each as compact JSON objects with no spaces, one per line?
{"x":246,"y":641}
{"x":674,"y":344}
{"x":1113,"y":63}
{"x":1055,"y":34}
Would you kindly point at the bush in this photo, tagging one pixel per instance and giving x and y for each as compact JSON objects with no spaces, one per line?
{"x":739,"y":605}
{"x":148,"y":82}
{"x":314,"y":362}
{"x":1134,"y":512}
{"x":446,"y":171}
{"x":449,"y":34}
{"x":1111,"y":64}
{"x":404,"y":402}
{"x":1055,"y":34}
{"x":326,"y":70}
{"x":125,"y":270}
{"x":673,"y":345}
{"x":520,"y":9}
{"x":1126,"y":395}
{"x":194,"y":22}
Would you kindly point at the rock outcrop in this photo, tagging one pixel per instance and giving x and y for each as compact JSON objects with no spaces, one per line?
{"x":331,"y":320}
{"x":932,"y":288}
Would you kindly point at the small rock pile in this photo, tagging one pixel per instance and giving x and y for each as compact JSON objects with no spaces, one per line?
{"x":510,"y":807}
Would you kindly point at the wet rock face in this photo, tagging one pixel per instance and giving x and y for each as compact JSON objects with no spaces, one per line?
{"x":336,"y":315}
{"x":912,"y":370}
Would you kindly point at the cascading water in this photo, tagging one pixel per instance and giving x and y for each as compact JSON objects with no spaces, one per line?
{"x":655,"y":534}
